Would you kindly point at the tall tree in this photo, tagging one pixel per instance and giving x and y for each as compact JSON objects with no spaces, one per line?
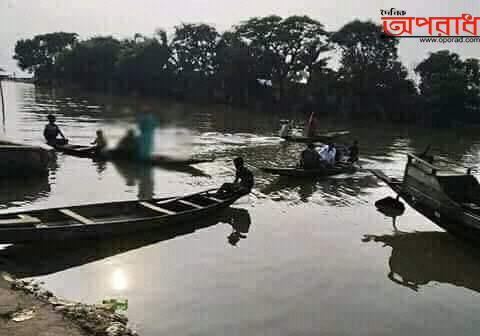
{"x":144,"y":65}
{"x":287,"y":49}
{"x":193,"y":52}
{"x":39,"y":55}
{"x":92,"y":63}
{"x":236,"y":69}
{"x":372,"y":79}
{"x":450,"y":87}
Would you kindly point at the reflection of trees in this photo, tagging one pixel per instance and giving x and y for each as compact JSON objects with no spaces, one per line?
{"x":419,"y":258}
{"x":42,"y":259}
{"x":335,"y":191}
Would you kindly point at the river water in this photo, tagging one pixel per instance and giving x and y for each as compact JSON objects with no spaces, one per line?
{"x":293,"y":258}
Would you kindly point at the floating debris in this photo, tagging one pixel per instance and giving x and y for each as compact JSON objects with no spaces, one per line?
{"x":23,"y":315}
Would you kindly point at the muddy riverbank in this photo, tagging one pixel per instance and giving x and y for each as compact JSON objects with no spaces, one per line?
{"x":28,"y":310}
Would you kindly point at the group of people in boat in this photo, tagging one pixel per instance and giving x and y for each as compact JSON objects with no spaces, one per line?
{"x":130,"y":145}
{"x":328,"y":156}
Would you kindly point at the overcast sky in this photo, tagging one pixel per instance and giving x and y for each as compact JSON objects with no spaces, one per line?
{"x":122,"y":18}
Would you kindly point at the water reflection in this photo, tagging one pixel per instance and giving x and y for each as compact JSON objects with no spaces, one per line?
{"x":41,"y":259}
{"x":119,"y":280}
{"x":20,"y":192}
{"x":337,"y":191}
{"x":419,"y":258}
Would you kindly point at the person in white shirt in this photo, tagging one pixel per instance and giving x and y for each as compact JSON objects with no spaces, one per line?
{"x":328,"y":153}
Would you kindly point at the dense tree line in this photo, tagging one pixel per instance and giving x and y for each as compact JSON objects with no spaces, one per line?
{"x":268,"y":61}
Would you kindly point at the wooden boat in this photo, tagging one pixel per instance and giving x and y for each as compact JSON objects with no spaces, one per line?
{"x":156,"y":160}
{"x":339,"y":168}
{"x":324,"y":137}
{"x":109,"y":219}
{"x":38,"y":259}
{"x":18,"y":159}
{"x":449,"y":199}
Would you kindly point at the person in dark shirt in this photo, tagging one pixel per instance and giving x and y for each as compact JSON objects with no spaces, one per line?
{"x":243,"y":182}
{"x":309,"y":159}
{"x":52,"y":131}
{"x":353,"y":152}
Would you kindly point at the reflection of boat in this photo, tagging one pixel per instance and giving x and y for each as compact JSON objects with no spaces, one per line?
{"x":419,"y":258}
{"x":23,"y":160}
{"x":450,"y":200}
{"x":156,"y":160}
{"x":324,"y":137}
{"x":19,"y":191}
{"x":109,"y":219}
{"x":41,"y":259}
{"x":339,"y":168}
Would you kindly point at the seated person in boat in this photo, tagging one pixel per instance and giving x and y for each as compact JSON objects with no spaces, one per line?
{"x":353,"y":152}
{"x":328,"y":154}
{"x":52,"y":131}
{"x":309,"y":159}
{"x":243,"y":179}
{"x":285,"y":129}
{"x":100,"y":142}
{"x":128,"y":145}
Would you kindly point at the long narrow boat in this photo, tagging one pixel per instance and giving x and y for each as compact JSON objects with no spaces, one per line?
{"x":324,"y":137}
{"x":109,"y":219}
{"x":449,"y":199}
{"x":156,"y":160}
{"x":339,"y":168}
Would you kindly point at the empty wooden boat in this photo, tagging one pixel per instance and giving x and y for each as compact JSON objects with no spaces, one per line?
{"x":339,"y":168}
{"x":449,"y":199}
{"x":109,"y":219}
{"x":324,"y":137}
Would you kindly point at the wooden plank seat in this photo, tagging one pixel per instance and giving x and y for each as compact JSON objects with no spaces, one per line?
{"x":20,"y":220}
{"x":193,"y":205}
{"x":157,"y":208}
{"x":76,"y":216}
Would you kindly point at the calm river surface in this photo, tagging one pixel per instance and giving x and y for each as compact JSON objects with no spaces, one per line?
{"x":305,"y":258}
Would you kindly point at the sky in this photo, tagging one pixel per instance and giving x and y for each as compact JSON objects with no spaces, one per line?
{"x":123,"y":18}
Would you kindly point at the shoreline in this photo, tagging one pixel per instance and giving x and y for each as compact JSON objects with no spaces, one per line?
{"x":26,"y":309}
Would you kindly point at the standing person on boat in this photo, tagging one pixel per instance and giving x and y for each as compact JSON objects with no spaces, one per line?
{"x":328,"y":154}
{"x":285,"y":129}
{"x":308,"y":110}
{"x":146,"y":125}
{"x":52,"y":131}
{"x":353,"y":152}
{"x":100,"y":142}
{"x":243,"y":182}
{"x":309,"y":159}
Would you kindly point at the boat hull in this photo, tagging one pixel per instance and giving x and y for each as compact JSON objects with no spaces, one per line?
{"x":298,"y":172}
{"x":157,"y":160}
{"x":326,"y":137}
{"x":447,"y":215}
{"x":100,"y":229}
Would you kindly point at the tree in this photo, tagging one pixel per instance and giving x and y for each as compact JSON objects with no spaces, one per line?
{"x":236,"y":69}
{"x":450,"y":87}
{"x":371,"y":77}
{"x":39,"y":55}
{"x":144,"y":65}
{"x":193,"y":52}
{"x":92,"y":63}
{"x":287,"y":50}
